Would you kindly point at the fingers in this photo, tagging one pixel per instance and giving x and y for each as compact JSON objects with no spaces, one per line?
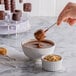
{"x":63,"y":17}
{"x":68,"y":6}
{"x":71,"y":21}
{"x":64,"y":14}
{"x":59,"y":20}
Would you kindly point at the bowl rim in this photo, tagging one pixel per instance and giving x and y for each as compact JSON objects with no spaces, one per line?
{"x":54,"y":44}
{"x":42,"y":58}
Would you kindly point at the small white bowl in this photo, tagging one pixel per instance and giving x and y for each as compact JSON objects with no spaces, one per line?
{"x":37,"y":53}
{"x":51,"y":66}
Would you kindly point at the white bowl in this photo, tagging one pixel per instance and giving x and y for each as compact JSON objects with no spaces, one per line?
{"x":51,"y":66}
{"x":37,"y":53}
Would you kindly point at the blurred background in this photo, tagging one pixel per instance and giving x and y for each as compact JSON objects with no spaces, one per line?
{"x":46,"y":7}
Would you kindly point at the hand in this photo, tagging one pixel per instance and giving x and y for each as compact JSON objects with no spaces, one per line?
{"x":68,"y":14}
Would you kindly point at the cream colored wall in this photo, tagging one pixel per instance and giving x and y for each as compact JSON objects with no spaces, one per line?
{"x":41,"y":7}
{"x":45,"y":7}
{"x":60,"y":4}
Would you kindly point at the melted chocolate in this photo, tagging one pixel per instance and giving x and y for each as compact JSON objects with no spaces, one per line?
{"x":12,"y":4}
{"x":1,"y":1}
{"x":27,"y":7}
{"x":16,"y":17}
{"x":7,"y":4}
{"x":36,"y":44}
{"x":40,"y":35}
{"x":19,"y":11}
{"x":2,"y":15}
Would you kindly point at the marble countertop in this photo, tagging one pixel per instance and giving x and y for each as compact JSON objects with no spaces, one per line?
{"x":64,"y":37}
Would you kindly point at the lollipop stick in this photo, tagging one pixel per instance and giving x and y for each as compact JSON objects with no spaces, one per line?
{"x":16,"y":29}
{"x":10,"y":57}
{"x":8,"y":29}
{"x":8,"y":64}
{"x":50,"y":27}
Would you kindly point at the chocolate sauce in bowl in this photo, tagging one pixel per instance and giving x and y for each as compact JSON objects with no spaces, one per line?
{"x":43,"y":44}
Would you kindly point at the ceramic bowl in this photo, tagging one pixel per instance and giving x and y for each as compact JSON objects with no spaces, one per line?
{"x":51,"y":66}
{"x":37,"y":53}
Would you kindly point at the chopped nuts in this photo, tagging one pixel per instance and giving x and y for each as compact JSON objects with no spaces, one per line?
{"x":52,"y":58}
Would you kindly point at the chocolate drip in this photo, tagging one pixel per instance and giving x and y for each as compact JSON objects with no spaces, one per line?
{"x":27,"y":7}
{"x":12,"y":4}
{"x":7,"y":4}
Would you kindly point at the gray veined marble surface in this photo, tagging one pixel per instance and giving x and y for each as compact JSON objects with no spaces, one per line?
{"x":64,"y":37}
